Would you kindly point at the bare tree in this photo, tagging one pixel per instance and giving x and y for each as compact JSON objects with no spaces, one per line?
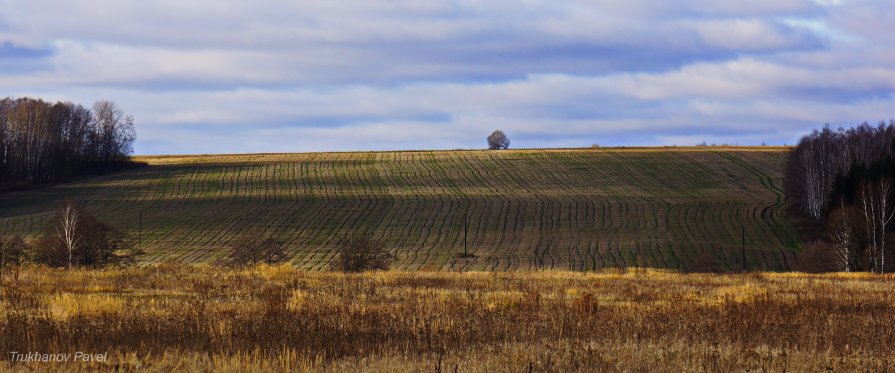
{"x":498,"y":140}
{"x":115,"y":131}
{"x":877,"y":212}
{"x":77,"y":238}
{"x":256,"y":247}
{"x":12,"y":252}
{"x":359,"y":253}
{"x":105,"y":244}
{"x":814,"y":189}
{"x":841,"y":228}
{"x":67,"y":229}
{"x":816,"y":257}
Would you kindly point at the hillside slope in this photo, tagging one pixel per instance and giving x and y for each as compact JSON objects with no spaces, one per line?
{"x":574,"y":209}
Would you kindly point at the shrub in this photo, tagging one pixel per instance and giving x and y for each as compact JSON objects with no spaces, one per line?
{"x":12,"y":252}
{"x":816,"y":257}
{"x":706,"y":263}
{"x":256,"y":247}
{"x":359,"y":254}
{"x":77,"y":238}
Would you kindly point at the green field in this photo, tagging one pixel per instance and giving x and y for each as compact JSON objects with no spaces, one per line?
{"x":574,"y":209}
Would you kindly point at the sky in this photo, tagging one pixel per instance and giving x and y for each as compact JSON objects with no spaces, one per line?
{"x":220,"y":76}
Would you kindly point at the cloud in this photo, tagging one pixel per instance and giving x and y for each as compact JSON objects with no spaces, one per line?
{"x":227,"y":76}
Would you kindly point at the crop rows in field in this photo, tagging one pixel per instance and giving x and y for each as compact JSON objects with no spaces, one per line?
{"x":575,"y":209}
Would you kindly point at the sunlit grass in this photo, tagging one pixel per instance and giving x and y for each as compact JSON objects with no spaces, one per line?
{"x":66,"y":305}
{"x":279,"y":318}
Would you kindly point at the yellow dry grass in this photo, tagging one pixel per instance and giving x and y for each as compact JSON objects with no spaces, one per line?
{"x":66,"y":305}
{"x":278,"y":318}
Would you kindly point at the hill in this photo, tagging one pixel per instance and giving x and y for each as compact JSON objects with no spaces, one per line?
{"x":577,"y":209}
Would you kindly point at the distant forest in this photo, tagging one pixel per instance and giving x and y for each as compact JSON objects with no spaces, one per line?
{"x":44,"y":142}
{"x":842,"y":179}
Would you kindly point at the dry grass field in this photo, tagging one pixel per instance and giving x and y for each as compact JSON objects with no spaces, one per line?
{"x":203,"y":318}
{"x":583,"y":209}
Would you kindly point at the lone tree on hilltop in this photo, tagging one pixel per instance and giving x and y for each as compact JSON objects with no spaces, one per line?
{"x":498,"y":140}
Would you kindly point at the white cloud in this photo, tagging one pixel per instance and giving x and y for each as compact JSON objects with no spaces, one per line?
{"x":284,"y":75}
{"x":829,"y":3}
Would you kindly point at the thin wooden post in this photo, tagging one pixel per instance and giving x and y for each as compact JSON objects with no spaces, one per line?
{"x":744,"y":248}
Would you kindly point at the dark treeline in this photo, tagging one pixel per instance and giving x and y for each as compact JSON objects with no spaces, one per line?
{"x":42,"y":142}
{"x":843,"y":180}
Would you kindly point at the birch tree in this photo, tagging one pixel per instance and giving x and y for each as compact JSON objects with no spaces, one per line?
{"x":67,"y":229}
{"x":841,"y":228}
{"x":815,"y":196}
{"x":877,"y":212}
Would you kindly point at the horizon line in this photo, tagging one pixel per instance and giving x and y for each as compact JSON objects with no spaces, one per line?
{"x":621,"y":147}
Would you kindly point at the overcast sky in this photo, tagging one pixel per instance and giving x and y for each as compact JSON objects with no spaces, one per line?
{"x":277,"y":76}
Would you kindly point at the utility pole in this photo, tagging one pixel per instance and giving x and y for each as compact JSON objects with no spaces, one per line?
{"x":744,"y":248}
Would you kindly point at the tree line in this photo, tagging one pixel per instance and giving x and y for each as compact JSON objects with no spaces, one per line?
{"x":42,"y":142}
{"x":842,"y":180}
